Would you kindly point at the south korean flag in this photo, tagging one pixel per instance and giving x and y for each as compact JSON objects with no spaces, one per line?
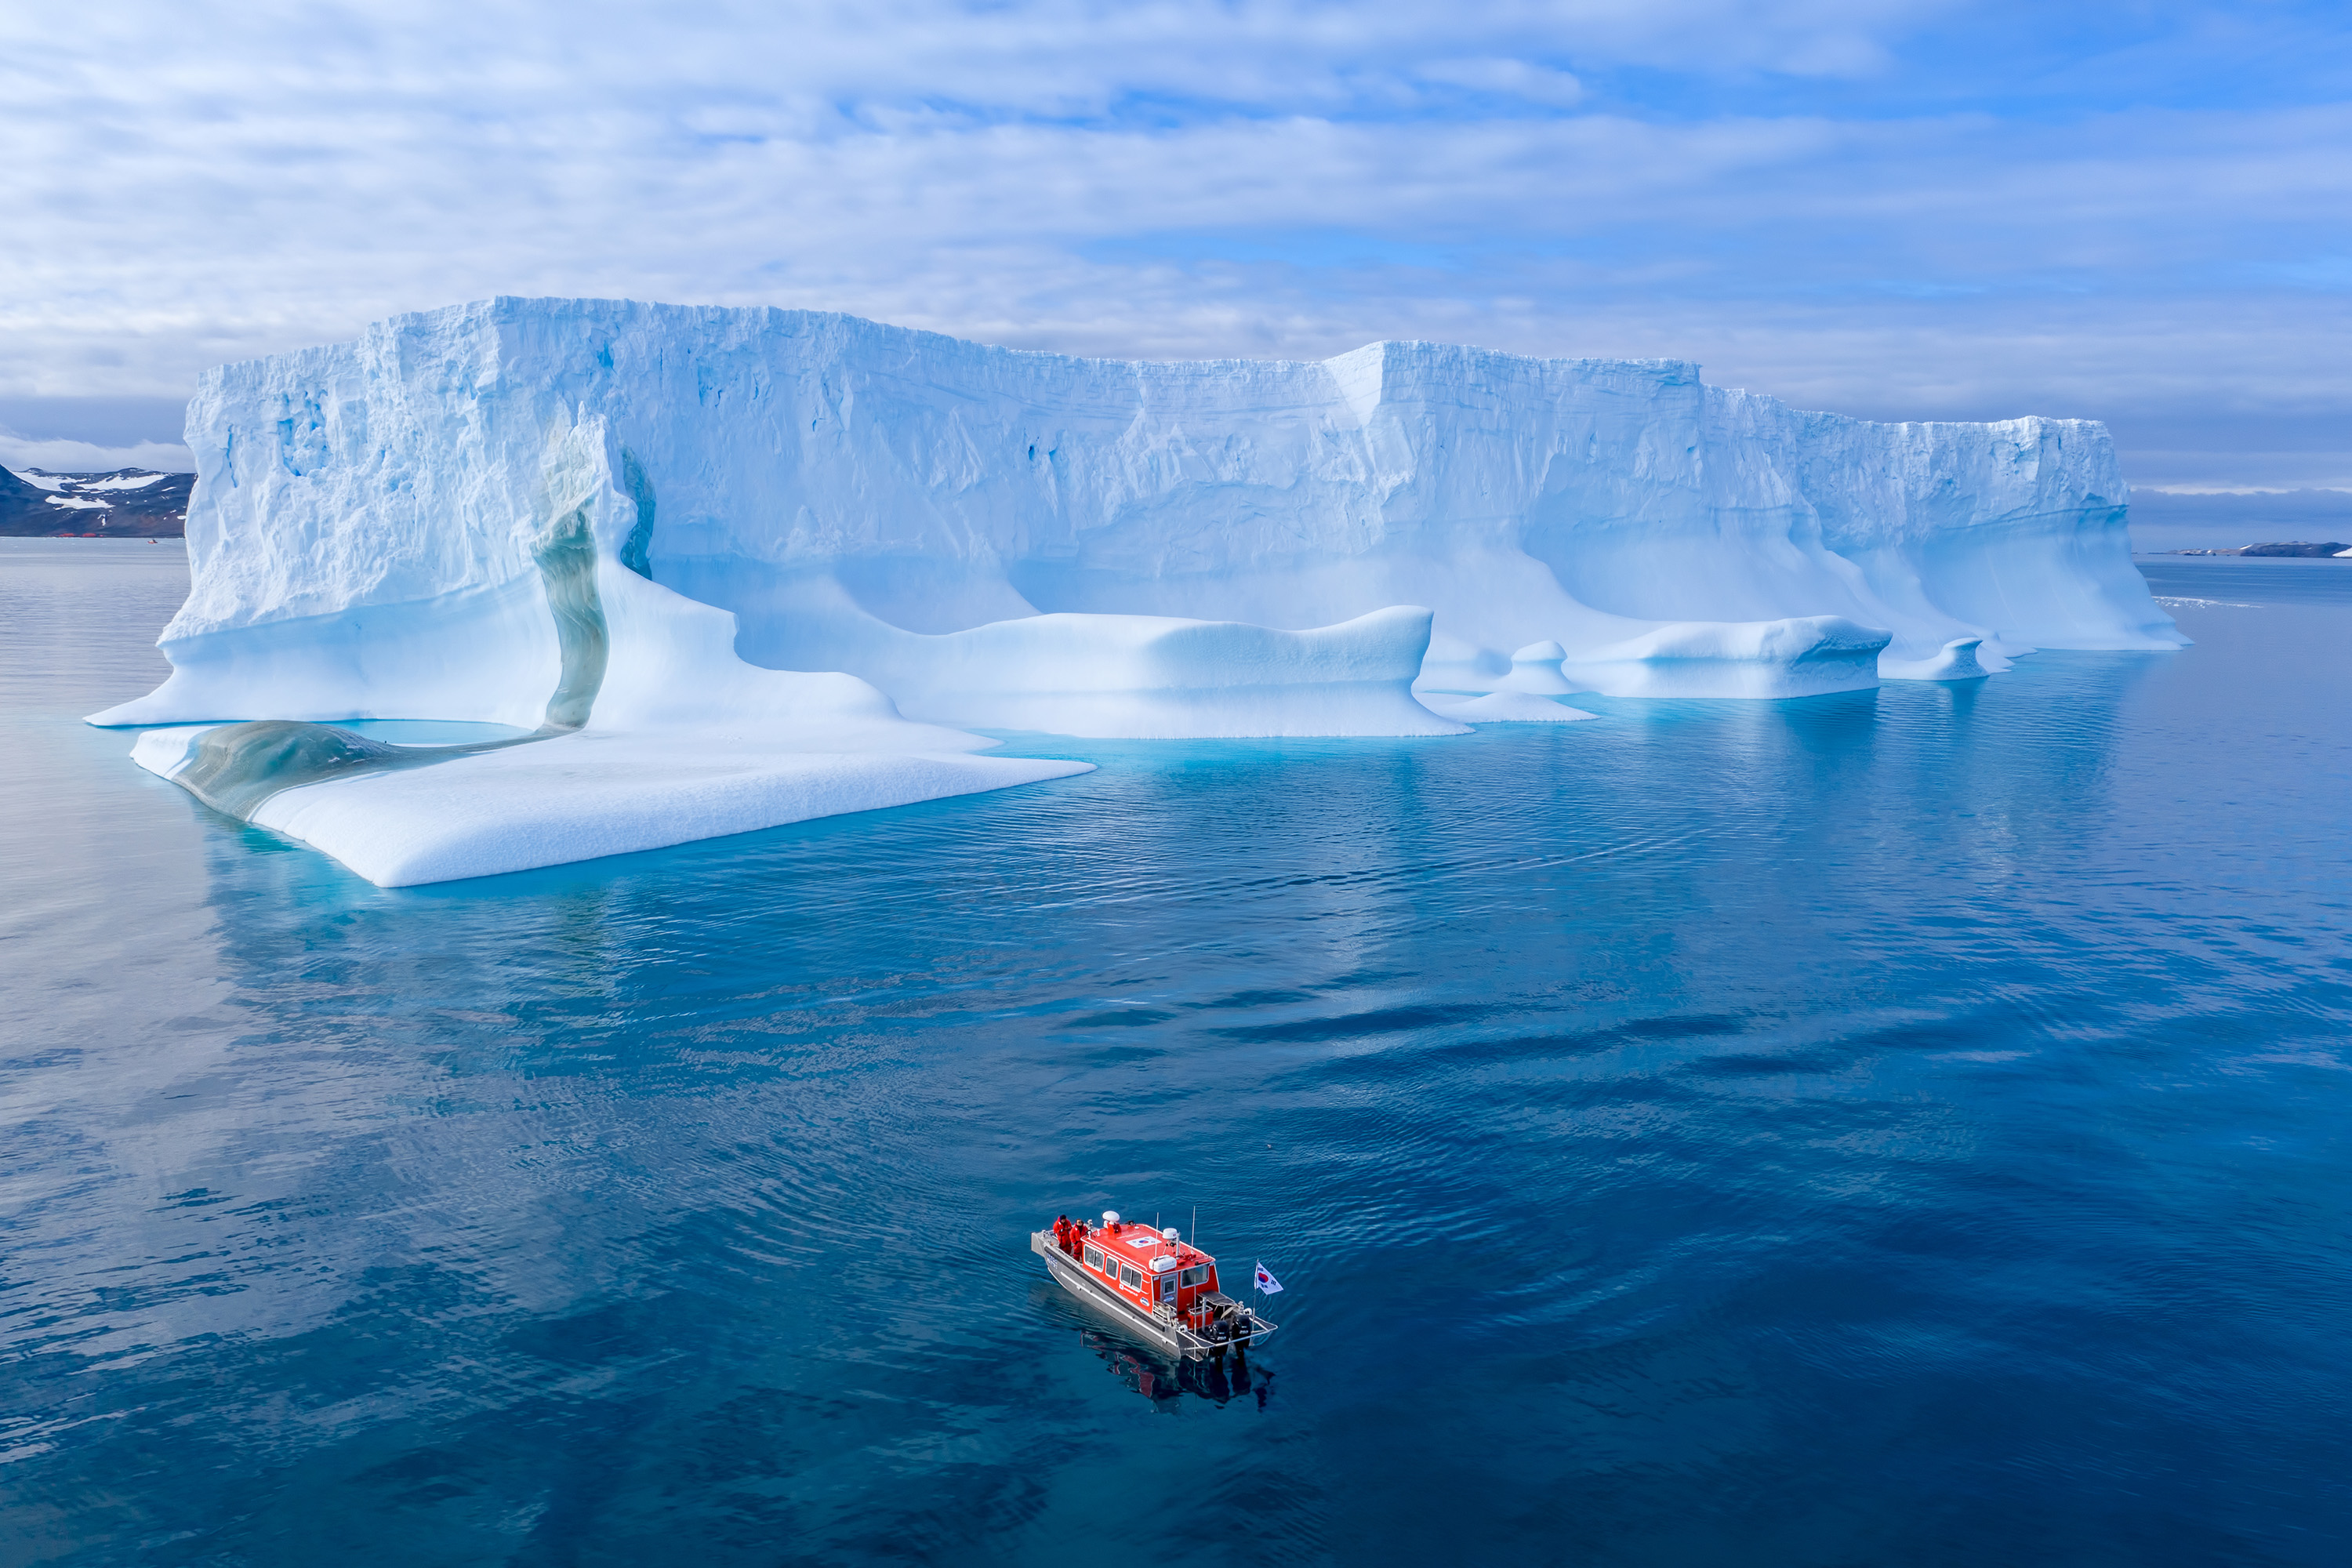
{"x":1267,"y":1285}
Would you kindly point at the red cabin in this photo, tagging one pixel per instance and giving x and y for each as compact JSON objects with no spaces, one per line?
{"x":1146,"y":1268}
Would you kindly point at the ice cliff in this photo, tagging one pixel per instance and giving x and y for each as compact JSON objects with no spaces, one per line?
{"x":803,"y":535}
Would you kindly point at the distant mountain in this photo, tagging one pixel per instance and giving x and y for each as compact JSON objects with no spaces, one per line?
{"x":2300,"y":547}
{"x":2174,"y":520}
{"x":129,"y":503}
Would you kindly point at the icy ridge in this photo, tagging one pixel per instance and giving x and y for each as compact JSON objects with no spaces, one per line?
{"x":812,"y":472}
{"x":964,"y":535}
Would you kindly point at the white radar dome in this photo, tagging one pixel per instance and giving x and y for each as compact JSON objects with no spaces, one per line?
{"x":1169,"y":1233}
{"x":1110,"y":1216}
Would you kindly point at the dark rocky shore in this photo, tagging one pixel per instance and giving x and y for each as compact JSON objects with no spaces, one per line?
{"x":129,"y":503}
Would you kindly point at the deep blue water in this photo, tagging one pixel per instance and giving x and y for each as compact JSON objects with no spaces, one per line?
{"x":1907,"y":1127}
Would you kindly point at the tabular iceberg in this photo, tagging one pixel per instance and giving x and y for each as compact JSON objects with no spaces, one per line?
{"x":739,"y":566}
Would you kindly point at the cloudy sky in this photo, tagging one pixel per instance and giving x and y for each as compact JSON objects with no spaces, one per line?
{"x":2138,"y":211}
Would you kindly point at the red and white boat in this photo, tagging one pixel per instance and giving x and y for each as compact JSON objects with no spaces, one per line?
{"x":1157,"y":1287}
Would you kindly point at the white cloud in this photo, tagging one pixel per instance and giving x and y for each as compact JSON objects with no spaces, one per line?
{"x":1036,"y":57}
{"x":21,"y":452}
{"x":1513,"y":79}
{"x":197,"y":184}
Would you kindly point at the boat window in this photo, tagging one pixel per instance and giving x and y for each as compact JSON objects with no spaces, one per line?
{"x":1194,"y":1276}
{"x":1131,"y":1276}
{"x":1094,"y":1258}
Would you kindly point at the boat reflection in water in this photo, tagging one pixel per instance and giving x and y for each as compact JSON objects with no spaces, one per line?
{"x":1166,"y":1381}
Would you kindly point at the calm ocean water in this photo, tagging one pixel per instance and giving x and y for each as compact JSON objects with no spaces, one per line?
{"x":1909,"y":1127}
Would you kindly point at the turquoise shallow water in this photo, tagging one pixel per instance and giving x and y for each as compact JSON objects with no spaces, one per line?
{"x":1905,"y":1127}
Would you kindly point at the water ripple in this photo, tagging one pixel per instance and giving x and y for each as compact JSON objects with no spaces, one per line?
{"x":1894,"y":1128}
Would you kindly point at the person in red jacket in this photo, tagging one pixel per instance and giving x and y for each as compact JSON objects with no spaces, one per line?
{"x":1062,"y":1231}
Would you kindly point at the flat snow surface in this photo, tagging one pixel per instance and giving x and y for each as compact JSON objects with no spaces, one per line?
{"x":124,"y":482}
{"x":578,"y":797}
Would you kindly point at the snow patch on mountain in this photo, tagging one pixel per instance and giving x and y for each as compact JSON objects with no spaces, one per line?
{"x":136,"y":503}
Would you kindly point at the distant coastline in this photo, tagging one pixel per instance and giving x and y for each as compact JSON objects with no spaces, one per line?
{"x":125,"y":503}
{"x":2333,"y":549}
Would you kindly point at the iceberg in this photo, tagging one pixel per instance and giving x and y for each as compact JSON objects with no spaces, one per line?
{"x":726,"y":568}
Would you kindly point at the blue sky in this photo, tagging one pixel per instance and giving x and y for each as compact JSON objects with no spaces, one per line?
{"x":2135,"y":212}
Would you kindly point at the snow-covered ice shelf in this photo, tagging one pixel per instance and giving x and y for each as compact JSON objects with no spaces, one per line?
{"x":595,"y":792}
{"x":802,"y":550}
